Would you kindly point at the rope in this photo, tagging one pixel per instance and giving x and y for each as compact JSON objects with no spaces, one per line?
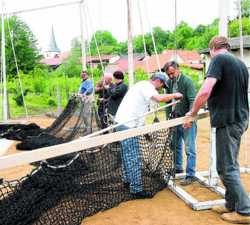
{"x":17,"y":68}
{"x":143,"y":36}
{"x":91,"y":27}
{"x":152,"y":36}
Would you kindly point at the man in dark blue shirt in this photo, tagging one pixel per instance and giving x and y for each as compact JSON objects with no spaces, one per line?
{"x":226,"y":88}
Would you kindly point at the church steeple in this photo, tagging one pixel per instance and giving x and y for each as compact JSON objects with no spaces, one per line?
{"x":53,"y":49}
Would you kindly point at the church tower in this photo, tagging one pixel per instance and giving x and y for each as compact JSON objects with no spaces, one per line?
{"x":53,"y":51}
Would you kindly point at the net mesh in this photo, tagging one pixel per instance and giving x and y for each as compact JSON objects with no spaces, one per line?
{"x":90,"y":181}
{"x":70,"y":125}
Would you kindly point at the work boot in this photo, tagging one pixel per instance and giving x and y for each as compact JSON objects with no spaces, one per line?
{"x":221,"y":209}
{"x":235,"y":217}
{"x":187,"y":180}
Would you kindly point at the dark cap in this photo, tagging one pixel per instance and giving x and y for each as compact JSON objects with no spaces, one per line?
{"x":161,"y":76}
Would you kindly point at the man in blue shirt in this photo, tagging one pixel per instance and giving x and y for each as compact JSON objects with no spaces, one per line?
{"x":86,"y":92}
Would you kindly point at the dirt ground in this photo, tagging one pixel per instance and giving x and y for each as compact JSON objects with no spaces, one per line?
{"x":165,"y":208}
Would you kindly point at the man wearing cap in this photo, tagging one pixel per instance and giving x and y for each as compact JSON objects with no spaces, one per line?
{"x":86,"y":92}
{"x":130,"y":114}
{"x":226,"y":88}
{"x":116,"y":92}
{"x":183,"y":84}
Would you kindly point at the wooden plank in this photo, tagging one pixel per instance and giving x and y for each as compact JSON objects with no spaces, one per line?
{"x":4,"y":145}
{"x":86,"y":143}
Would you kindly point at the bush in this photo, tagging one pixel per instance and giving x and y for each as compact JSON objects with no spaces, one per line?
{"x":52,"y":102}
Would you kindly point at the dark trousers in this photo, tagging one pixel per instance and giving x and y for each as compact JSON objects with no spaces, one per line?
{"x":227,"y":149}
{"x":102,"y":113}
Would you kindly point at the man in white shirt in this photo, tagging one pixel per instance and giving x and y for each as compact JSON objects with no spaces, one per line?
{"x":131,"y":114}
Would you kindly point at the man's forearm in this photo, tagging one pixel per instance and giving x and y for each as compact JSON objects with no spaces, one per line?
{"x":199,"y":102}
{"x":164,"y":97}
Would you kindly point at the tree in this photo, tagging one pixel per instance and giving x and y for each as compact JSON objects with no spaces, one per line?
{"x":234,"y":27}
{"x":106,"y":43}
{"x":183,"y":33}
{"x":161,"y":37}
{"x":25,"y":45}
{"x":245,"y":8}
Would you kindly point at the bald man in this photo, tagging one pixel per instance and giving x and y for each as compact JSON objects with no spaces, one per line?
{"x":102,"y":90}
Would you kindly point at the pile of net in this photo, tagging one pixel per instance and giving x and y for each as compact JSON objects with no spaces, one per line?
{"x":66,"y":189}
{"x":69,"y":125}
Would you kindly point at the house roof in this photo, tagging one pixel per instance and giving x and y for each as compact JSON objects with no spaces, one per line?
{"x":57,"y":60}
{"x":234,"y":43}
{"x":184,"y":57}
{"x":97,"y":59}
{"x":122,"y":63}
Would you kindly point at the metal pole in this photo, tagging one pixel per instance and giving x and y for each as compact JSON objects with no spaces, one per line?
{"x":83,"y":45}
{"x":43,"y":7}
{"x":241,"y":36}
{"x":130,"y":46}
{"x":143,"y":36}
{"x":223,"y":15}
{"x":212,"y":180}
{"x":175,"y":26}
{"x":3,"y":66}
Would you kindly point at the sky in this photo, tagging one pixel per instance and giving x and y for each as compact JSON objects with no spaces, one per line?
{"x":109,"y":15}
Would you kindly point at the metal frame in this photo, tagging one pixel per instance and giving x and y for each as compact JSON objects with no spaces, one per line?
{"x":210,"y":183}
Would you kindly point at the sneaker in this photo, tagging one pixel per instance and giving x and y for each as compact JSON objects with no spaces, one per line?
{"x":235,"y":217}
{"x":220,"y":209}
{"x":141,"y":195}
{"x":187,"y":180}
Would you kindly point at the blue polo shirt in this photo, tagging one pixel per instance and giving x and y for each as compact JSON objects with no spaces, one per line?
{"x":86,"y":87}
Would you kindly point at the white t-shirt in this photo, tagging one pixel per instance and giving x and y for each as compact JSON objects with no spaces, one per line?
{"x":135,"y":104}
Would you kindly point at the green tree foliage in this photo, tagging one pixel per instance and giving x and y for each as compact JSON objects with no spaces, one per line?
{"x":245,"y":8}
{"x":25,"y":46}
{"x":106,"y":43}
{"x":161,"y":37}
{"x":72,"y":66}
{"x":183,"y":33}
{"x":234,"y":27}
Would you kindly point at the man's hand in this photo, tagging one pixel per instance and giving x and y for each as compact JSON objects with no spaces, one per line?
{"x":188,"y":124}
{"x":178,"y":95}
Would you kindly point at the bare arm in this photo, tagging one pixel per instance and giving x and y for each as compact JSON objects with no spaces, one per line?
{"x":166,"y":97}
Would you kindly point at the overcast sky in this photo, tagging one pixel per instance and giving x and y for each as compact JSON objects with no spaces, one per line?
{"x":110,"y":15}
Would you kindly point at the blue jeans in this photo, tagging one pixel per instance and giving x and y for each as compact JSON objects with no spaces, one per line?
{"x":131,"y":162}
{"x":189,"y":138}
{"x":227,"y":151}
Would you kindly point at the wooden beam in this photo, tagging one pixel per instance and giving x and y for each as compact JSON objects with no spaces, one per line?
{"x":86,"y":143}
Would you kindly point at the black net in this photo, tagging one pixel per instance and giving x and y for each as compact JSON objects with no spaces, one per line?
{"x":66,"y":189}
{"x":70,"y":124}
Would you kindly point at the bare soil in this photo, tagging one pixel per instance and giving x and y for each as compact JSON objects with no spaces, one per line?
{"x":165,"y":208}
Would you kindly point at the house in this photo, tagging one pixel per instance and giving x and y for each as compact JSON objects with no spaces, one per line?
{"x":56,"y":60}
{"x":121,"y":63}
{"x":188,"y":58}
